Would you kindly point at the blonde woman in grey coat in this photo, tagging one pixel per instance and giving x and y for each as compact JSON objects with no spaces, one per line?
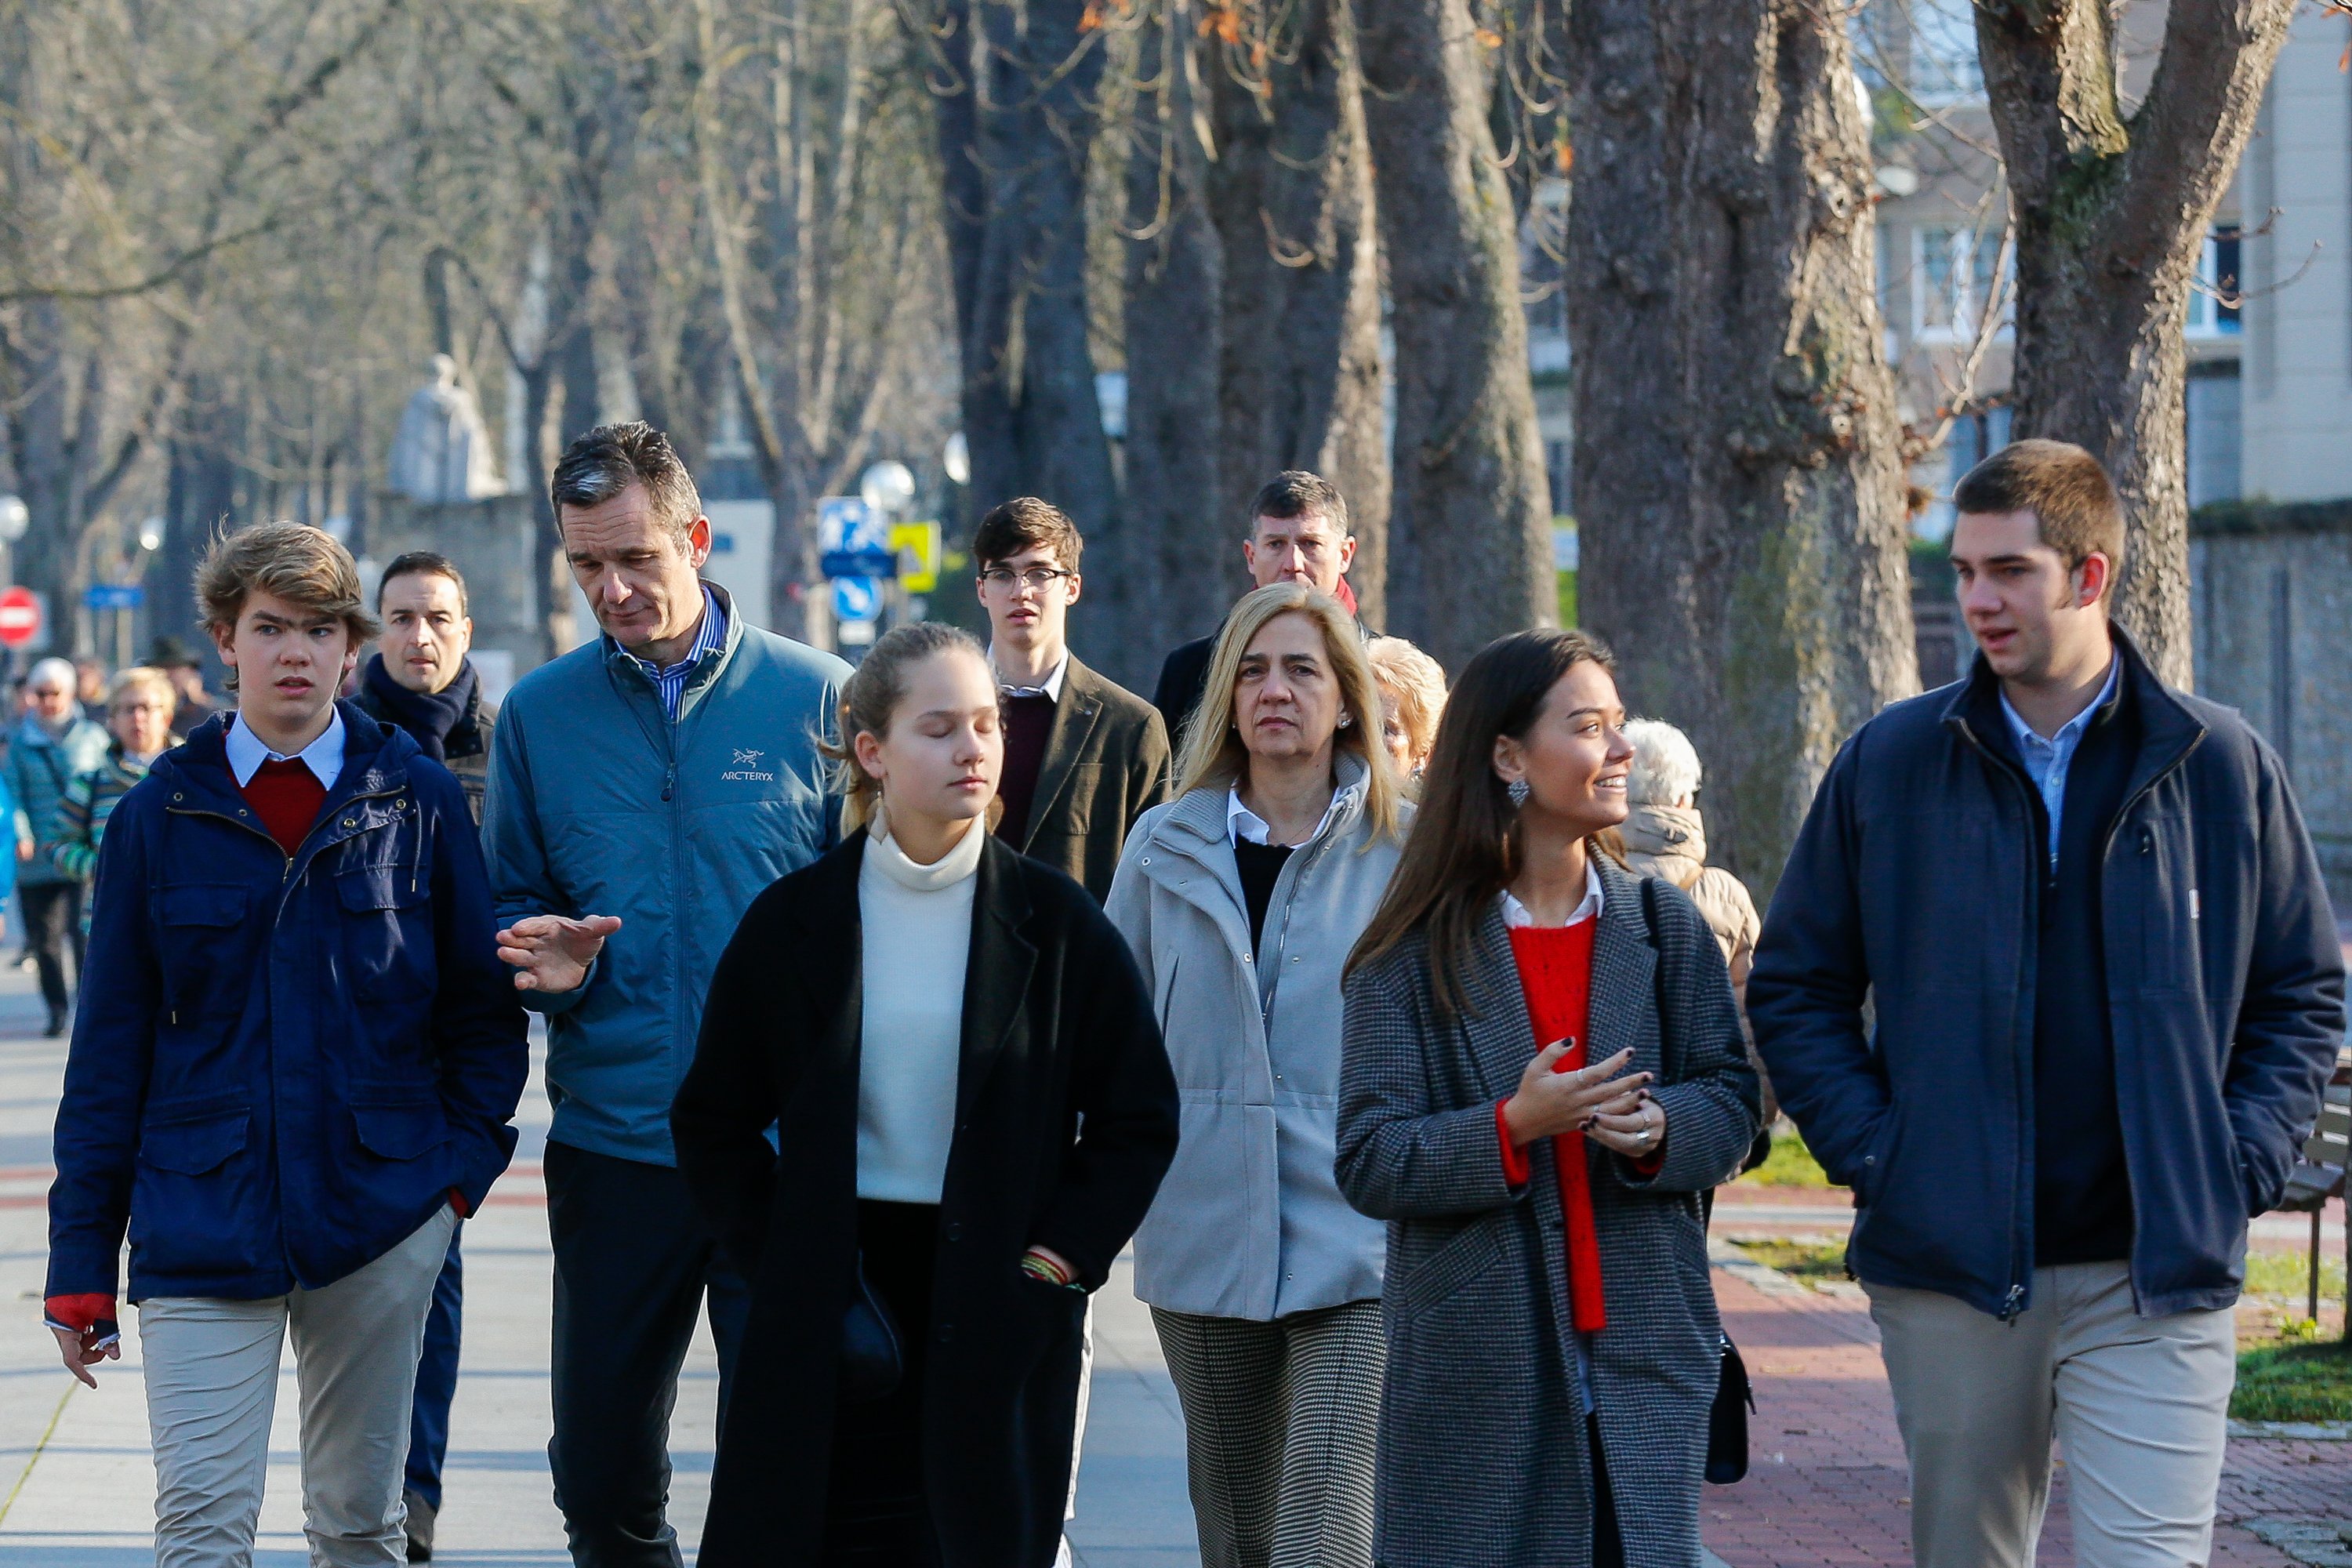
{"x":1241,"y":899}
{"x":1543,"y":1072}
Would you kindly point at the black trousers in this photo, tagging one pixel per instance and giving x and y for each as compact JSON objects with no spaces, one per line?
{"x":876,"y":1512}
{"x":1608,"y":1547}
{"x":631,"y":1269}
{"x":52,"y":914}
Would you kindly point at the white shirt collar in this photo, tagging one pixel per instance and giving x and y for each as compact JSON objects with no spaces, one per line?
{"x":1052,"y":685}
{"x":323,"y":756}
{"x":1243,"y":826}
{"x":1515,"y":913}
{"x":2072,"y":730}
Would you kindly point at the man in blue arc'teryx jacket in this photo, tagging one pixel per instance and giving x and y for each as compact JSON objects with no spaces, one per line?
{"x":292,"y":1075}
{"x":644,"y":789}
{"x":2107,"y":991}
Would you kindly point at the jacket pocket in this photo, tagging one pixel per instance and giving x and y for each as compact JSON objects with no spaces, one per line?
{"x":195,"y":1139}
{"x":402,"y":1130}
{"x":1458,"y":1261}
{"x":388,"y":931}
{"x":201,"y":925}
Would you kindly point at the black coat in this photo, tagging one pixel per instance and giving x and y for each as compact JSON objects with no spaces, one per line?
{"x":1913,"y":884}
{"x":1057,"y":1025}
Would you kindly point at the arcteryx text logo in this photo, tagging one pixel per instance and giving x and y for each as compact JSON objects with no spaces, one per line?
{"x":745,"y":768}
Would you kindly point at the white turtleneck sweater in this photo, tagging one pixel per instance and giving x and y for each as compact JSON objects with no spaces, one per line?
{"x":917,"y":926}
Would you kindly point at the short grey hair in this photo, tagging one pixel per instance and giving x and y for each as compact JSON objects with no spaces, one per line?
{"x":61,"y":670}
{"x":601,"y":463}
{"x":1665,"y":764}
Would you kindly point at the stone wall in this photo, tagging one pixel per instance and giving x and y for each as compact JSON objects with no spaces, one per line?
{"x":2272,"y":607}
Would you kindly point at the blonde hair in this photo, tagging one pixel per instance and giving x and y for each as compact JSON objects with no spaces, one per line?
{"x":1417,"y":682}
{"x":1214,"y":752}
{"x":143,"y":678}
{"x":869,"y":698}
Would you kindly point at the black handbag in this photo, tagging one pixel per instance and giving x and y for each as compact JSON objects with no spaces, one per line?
{"x":1735,"y":1396}
{"x":872,"y":1357}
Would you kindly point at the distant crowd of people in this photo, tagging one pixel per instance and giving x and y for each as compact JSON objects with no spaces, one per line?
{"x":1402,"y":1032}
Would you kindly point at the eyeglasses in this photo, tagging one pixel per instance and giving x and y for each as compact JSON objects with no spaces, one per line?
{"x":1037,"y":579}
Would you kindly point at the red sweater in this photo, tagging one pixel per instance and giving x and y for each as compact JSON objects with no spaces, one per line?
{"x":288,"y":794}
{"x":1556,"y":976}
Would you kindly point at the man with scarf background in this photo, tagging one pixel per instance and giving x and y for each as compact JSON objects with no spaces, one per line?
{"x":421,"y":680}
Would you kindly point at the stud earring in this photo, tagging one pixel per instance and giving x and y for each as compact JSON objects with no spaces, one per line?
{"x":1346,"y":719}
{"x":1518,"y":791}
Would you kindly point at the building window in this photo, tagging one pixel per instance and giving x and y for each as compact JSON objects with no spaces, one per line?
{"x":1972,"y":438}
{"x":2213,"y":309}
{"x":1943,"y":66}
{"x":2215,"y":425}
{"x":1955,"y":275}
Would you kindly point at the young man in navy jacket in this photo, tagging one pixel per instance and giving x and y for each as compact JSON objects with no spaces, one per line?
{"x":292,"y":1075}
{"x":2107,"y":990}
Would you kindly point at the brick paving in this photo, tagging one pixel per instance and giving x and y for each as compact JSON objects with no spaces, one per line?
{"x":1828,"y":1486}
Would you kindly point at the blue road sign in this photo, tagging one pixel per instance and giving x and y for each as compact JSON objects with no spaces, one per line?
{"x":847,"y":523}
{"x":856,"y":599}
{"x":865,"y":563}
{"x":113,"y":597}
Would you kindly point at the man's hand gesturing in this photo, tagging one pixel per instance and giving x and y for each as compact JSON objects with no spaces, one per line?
{"x":551,"y":952}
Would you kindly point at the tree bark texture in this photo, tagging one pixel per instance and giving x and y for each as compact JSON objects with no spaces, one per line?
{"x":2111,"y":214}
{"x":1167,"y":577}
{"x":1015,"y":132}
{"x":1469,"y":518}
{"x":1291,"y":193}
{"x":1738,"y":480}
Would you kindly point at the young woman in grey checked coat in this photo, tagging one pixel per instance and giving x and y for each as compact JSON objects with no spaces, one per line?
{"x":1542,"y":1073}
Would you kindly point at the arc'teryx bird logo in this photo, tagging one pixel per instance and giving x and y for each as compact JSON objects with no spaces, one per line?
{"x":745,"y":768}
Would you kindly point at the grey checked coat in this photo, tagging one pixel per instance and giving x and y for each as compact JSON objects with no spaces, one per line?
{"x":1482,"y":1447}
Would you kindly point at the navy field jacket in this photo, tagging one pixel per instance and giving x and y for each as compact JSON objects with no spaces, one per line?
{"x":1914,"y":883}
{"x":282,"y":1067}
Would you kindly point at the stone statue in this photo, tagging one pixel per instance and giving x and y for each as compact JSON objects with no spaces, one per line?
{"x":443,"y":450}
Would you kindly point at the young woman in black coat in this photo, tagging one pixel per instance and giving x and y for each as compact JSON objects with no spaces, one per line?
{"x":971,"y":1110}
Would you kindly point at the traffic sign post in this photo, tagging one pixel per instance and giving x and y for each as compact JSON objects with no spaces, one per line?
{"x":917,"y":566}
{"x":113,"y":597}
{"x":23,"y":618}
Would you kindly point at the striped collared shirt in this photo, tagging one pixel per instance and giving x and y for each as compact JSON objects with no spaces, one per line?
{"x":671,"y":682}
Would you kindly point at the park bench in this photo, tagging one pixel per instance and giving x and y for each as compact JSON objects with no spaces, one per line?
{"x":2319,"y":1175}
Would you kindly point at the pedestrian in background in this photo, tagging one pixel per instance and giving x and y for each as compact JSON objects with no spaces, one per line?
{"x":293,"y":1168}
{"x":1084,"y":757}
{"x":1412,"y":699}
{"x":1665,"y":836}
{"x":89,"y":681}
{"x":53,"y":744}
{"x":970,"y":1112}
{"x":420,"y":679}
{"x":1242,"y":898}
{"x":139,"y":721}
{"x":186,"y":668}
{"x":644,"y":789}
{"x":1543,"y":1074}
{"x":1299,"y":534}
{"x":2105,"y":990}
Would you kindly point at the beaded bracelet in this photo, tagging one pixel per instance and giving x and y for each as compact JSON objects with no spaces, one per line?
{"x":1046,"y":1270}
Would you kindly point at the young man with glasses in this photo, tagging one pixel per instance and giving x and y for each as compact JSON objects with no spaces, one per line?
{"x":1082,"y":757}
{"x":1299,"y":534}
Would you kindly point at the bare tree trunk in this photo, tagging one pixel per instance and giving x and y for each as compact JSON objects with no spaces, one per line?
{"x":1167,"y":581}
{"x":1738,"y":480}
{"x":1291,"y":192}
{"x":1014,"y":133}
{"x":1469,"y":522}
{"x":2111,"y":215}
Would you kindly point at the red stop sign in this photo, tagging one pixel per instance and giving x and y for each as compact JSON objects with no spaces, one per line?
{"x":20,"y":617}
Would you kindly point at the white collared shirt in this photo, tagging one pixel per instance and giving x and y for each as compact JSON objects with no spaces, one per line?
{"x":1243,"y":826}
{"x":323,"y":756}
{"x":1051,"y":690}
{"x":1515,"y":913}
{"x":2047,"y":762}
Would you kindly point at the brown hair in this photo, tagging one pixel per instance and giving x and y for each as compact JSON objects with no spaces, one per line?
{"x":603,"y":462}
{"x":303,"y":565}
{"x":1025,"y":523}
{"x":869,"y":699}
{"x":1465,"y":844}
{"x":1295,"y":493}
{"x":2073,"y":500}
{"x":1214,"y":752}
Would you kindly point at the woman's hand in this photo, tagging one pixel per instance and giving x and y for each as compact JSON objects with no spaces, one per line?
{"x":1549,"y":1102}
{"x":1637,"y":1135}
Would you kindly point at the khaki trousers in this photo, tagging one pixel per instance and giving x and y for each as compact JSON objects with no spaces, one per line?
{"x":212,"y":1387}
{"x":2138,"y":1405}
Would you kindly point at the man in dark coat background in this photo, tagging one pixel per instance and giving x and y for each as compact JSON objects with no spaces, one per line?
{"x":2107,"y":991}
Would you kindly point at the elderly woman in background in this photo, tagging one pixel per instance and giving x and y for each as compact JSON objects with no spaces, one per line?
{"x":1412,"y":699}
{"x":1543,"y":1073}
{"x":1665,"y":838}
{"x":1241,"y":899}
{"x":139,"y":719}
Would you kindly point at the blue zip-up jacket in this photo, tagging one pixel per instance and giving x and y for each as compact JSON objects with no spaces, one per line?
{"x":1915,"y":881}
{"x":599,"y":804}
{"x":282,"y":1067}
